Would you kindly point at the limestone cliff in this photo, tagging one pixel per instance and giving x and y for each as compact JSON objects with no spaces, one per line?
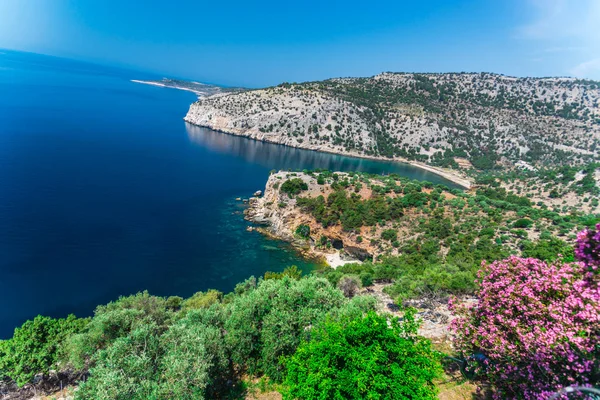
{"x":280,"y":216}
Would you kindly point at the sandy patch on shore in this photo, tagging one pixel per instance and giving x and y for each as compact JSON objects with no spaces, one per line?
{"x":335,"y":260}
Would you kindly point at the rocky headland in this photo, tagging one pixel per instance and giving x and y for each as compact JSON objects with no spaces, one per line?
{"x":278,"y":216}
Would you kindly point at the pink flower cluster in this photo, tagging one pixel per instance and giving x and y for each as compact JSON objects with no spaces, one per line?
{"x":537,"y":323}
{"x":587,"y":249}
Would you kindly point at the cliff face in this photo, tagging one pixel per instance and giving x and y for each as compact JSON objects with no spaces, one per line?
{"x":280,"y":216}
{"x":265,"y":211}
{"x":283,"y":116}
{"x":436,"y":118}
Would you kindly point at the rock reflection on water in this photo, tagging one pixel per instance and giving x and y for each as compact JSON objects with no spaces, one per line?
{"x":276,"y":156}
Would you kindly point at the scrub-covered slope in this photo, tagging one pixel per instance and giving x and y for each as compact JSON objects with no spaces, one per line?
{"x":487,"y":120}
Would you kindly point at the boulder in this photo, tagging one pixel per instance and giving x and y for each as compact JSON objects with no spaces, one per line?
{"x":358,"y":253}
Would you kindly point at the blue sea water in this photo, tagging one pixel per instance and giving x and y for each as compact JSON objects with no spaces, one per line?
{"x":106,"y":191}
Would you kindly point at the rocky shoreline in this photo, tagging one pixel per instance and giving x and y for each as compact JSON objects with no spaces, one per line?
{"x":205,"y":118}
{"x":459,"y":121}
{"x":277,"y":216}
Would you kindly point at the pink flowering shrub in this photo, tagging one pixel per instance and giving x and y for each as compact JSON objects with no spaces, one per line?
{"x":537,"y":323}
{"x":587,"y":249}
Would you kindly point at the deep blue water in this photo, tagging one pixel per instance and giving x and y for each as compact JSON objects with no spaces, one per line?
{"x":106,"y":191}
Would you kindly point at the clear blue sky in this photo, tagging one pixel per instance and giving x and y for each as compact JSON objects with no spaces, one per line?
{"x":258,"y":43}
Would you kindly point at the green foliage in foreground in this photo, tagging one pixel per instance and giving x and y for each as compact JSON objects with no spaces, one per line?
{"x":35,"y":346}
{"x":292,"y":272}
{"x":367,"y":357}
{"x":148,"y":347}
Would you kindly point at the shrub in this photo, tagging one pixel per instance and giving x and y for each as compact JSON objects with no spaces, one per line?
{"x":292,"y":272}
{"x":174,"y":302}
{"x":35,"y":346}
{"x":366,"y":279}
{"x":523,"y":223}
{"x":537,"y":323}
{"x":269,"y":321}
{"x":363,"y":358}
{"x":189,"y":361}
{"x":126,"y":369}
{"x":113,"y":321}
{"x":203,"y":352}
{"x":202,"y":299}
{"x":435,"y":281}
{"x":547,"y":249}
{"x":349,"y":285}
{"x":293,"y":186}
{"x":195,"y":364}
{"x":323,"y":240}
{"x":587,"y":249}
{"x":303,"y":231}
{"x":389,"y":234}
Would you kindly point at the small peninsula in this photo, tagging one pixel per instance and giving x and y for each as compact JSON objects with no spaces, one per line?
{"x":201,"y":89}
{"x":354,"y":217}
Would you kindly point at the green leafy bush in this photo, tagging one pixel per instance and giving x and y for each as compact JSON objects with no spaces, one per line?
{"x":303,"y":231}
{"x":370,"y":357}
{"x":127,"y":369}
{"x":523,"y":223}
{"x":35,"y":346}
{"x":269,"y":321}
{"x":293,"y":186}
{"x":366,"y":279}
{"x":202,"y":299}
{"x":188,"y":361}
{"x":113,"y":321}
{"x":435,"y":281}
{"x":389,"y":234}
{"x":201,"y":353}
{"x":547,"y":249}
{"x":292,"y":272}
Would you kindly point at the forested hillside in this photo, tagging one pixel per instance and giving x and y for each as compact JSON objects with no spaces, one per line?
{"x":428,"y":241}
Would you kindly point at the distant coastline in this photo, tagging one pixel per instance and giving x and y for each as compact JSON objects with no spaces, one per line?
{"x":154,"y":83}
{"x":208,"y":90}
{"x":200,"y":89}
{"x":451,"y":175}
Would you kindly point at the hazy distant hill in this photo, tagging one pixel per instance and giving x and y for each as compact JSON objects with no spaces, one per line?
{"x":201,"y":89}
{"x":491,"y":120}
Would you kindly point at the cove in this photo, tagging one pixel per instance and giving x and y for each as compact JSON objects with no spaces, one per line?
{"x":106,"y":191}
